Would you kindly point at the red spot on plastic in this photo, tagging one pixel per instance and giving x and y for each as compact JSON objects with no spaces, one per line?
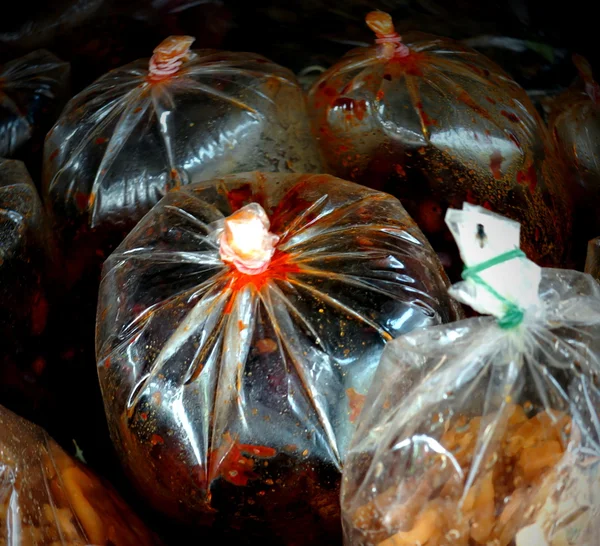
{"x":510,"y":116}
{"x":144,"y":416}
{"x":528,"y":177}
{"x":430,"y":216}
{"x":411,"y":63}
{"x":380,"y":94}
{"x":399,"y":170}
{"x":81,"y":200}
{"x":244,"y":195}
{"x":53,"y":155}
{"x":496,"y":164}
{"x":356,"y":402}
{"x":490,"y":100}
{"x":39,"y":314}
{"x":156,"y":439}
{"x":230,"y":462}
{"x":107,"y":363}
{"x":101,"y":140}
{"x":39,"y":365}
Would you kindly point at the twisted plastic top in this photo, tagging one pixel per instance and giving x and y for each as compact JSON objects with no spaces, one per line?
{"x":169,"y":56}
{"x":386,"y":36}
{"x":246,"y":241}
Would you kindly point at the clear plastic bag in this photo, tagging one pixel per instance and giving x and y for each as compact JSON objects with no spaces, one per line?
{"x":27,"y":269}
{"x":435,"y":123}
{"x":33,"y":90}
{"x":486,"y":431}
{"x":234,"y":354}
{"x":47,"y":498}
{"x":575,"y":125}
{"x":157,"y":124}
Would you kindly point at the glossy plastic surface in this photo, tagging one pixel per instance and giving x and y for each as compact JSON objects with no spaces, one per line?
{"x":575,"y":125}
{"x":33,"y":90}
{"x":439,"y":126}
{"x":231,"y":397}
{"x":474,"y":435}
{"x":126,"y":140}
{"x":49,"y":499}
{"x":26,"y":269}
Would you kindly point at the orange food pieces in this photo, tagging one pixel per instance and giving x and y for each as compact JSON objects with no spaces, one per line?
{"x":451,"y":508}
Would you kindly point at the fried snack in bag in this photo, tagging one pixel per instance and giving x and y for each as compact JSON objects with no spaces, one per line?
{"x":575,"y":125}
{"x":47,"y":498}
{"x":435,"y":123}
{"x":33,"y":90}
{"x":26,"y":296}
{"x":239,"y":326}
{"x":485,"y":431}
{"x":155,"y":125}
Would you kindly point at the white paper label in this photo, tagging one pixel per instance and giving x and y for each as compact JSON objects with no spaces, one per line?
{"x":482,"y":235}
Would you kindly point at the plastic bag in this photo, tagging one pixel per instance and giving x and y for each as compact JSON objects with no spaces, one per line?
{"x":48,"y":498}
{"x":151,"y":126}
{"x":592,"y":260}
{"x":234,"y":349}
{"x":435,"y":124}
{"x":33,"y":90}
{"x":575,"y":125}
{"x":486,"y":431}
{"x":27,"y":263}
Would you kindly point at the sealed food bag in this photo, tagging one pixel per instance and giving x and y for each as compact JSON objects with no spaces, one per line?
{"x":47,"y":498}
{"x":592,"y":260}
{"x":239,"y":326}
{"x":485,"y":431}
{"x":27,"y":264}
{"x":575,"y":125}
{"x":33,"y":90}
{"x":435,"y":123}
{"x":157,"y":124}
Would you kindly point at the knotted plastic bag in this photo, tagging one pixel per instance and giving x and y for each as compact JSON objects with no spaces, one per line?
{"x":154,"y":125}
{"x":33,"y":90}
{"x":575,"y":125}
{"x":27,"y":272}
{"x":47,"y":498}
{"x":239,"y":326}
{"x":435,"y":124}
{"x":485,"y":431}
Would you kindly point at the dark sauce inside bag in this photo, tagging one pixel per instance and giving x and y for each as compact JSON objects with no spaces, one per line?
{"x":239,"y":325}
{"x":436,"y":124}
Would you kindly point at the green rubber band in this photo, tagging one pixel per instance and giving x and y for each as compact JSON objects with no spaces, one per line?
{"x":514,"y":314}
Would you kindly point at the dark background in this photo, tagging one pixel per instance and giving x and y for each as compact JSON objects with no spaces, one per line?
{"x":96,"y":35}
